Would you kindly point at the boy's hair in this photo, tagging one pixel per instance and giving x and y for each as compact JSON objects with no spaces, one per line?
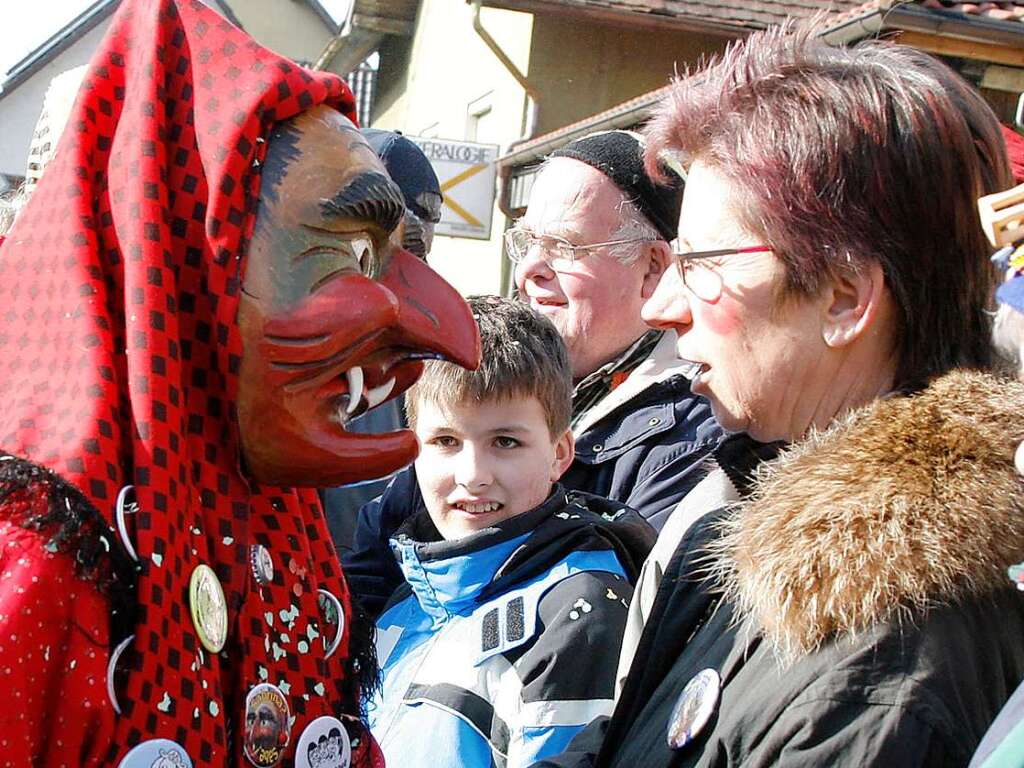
{"x":521,"y":355}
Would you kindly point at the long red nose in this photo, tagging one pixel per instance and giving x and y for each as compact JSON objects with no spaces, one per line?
{"x":432,"y":315}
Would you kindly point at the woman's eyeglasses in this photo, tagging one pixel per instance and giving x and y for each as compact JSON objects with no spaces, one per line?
{"x":700,"y":277}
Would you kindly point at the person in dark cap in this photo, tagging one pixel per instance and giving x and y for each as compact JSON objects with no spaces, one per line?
{"x":588,"y":253}
{"x":410,"y":169}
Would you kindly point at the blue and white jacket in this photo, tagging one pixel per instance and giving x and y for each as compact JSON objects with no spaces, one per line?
{"x":499,"y":647}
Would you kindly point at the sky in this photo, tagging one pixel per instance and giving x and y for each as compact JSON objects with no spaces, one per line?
{"x":28,"y":24}
{"x":338,"y":9}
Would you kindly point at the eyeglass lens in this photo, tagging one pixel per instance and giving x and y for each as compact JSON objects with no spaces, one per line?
{"x":556,"y":254}
{"x":702,"y":280}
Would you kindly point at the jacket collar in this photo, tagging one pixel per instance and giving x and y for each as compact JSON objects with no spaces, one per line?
{"x":659,"y":366}
{"x":906,"y":503}
{"x":447,"y":577}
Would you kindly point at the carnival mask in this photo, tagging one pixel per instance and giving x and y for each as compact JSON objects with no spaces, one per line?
{"x":335,"y":316}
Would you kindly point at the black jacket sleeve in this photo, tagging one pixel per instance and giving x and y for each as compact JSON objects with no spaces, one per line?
{"x":370,"y":568}
{"x":582,"y":750}
{"x":817,"y":732}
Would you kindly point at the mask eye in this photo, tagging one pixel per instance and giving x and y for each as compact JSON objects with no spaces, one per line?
{"x":362,"y":249}
{"x":366,"y":255}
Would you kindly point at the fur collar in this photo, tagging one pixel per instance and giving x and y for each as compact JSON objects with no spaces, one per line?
{"x":906,"y":503}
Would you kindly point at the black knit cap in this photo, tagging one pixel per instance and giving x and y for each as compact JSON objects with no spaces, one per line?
{"x":410,"y":169}
{"x":619,"y":156}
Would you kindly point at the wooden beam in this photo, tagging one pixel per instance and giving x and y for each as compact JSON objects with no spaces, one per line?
{"x":383,"y":25}
{"x":1003,"y":79}
{"x":964,"y":49}
{"x":581,"y":10}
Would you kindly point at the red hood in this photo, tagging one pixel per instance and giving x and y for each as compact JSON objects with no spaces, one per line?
{"x":120,"y":349}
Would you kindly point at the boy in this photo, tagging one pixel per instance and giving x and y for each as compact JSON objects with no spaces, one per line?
{"x":503,"y":641}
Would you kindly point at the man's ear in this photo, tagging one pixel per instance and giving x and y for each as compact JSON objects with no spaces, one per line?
{"x":655,"y":258}
{"x":852,"y":304}
{"x":565,"y":452}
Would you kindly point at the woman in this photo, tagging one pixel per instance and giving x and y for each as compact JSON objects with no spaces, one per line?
{"x":852,"y":608}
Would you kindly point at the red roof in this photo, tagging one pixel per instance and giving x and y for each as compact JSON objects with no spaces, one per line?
{"x":747,"y":15}
{"x":752,"y":14}
{"x":1003,"y":11}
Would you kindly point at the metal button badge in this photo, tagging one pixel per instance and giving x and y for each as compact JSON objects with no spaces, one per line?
{"x":333,"y":617}
{"x":694,"y":708}
{"x":262,"y":564}
{"x":156,"y":752}
{"x":126,"y":504}
{"x":209,"y":608}
{"x":267,"y":725}
{"x":324,"y":744}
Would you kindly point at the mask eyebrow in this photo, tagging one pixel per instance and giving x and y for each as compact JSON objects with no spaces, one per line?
{"x":371,"y":196}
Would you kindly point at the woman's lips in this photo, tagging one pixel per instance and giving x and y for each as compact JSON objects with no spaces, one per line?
{"x":692,"y":368}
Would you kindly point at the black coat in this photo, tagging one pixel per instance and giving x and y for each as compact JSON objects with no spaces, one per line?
{"x":832,"y":646}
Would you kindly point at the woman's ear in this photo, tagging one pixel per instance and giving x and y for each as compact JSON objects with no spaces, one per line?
{"x":656,"y":258}
{"x":565,"y":452}
{"x":852,"y":304}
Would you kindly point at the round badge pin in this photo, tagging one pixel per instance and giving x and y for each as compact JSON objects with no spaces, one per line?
{"x":112,"y":671}
{"x":267,"y":725}
{"x":262,"y":564}
{"x":127,"y":504}
{"x":694,"y":708}
{"x":156,"y":753}
{"x":209,"y":608}
{"x":333,"y":616}
{"x":324,"y":744}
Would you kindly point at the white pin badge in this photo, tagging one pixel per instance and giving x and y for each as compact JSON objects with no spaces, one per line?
{"x":209,"y":608}
{"x":112,"y":670}
{"x":694,"y":708}
{"x":262,"y":564}
{"x":156,"y":753}
{"x":127,"y":504}
{"x":324,"y":744}
{"x":333,"y":616}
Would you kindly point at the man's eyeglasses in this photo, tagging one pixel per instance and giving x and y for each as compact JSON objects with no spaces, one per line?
{"x":557,"y":252}
{"x":699,"y":277}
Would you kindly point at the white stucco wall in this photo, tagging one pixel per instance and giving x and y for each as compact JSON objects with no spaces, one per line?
{"x":451,"y":73}
{"x":291,"y":29}
{"x":19,"y":109}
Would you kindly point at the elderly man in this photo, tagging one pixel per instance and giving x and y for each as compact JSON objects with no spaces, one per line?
{"x":589,"y":251}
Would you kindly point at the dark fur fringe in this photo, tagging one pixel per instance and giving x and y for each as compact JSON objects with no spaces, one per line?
{"x":362,"y":671}
{"x":76,"y":528}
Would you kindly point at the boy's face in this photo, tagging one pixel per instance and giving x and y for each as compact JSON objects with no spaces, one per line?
{"x":481,"y":463}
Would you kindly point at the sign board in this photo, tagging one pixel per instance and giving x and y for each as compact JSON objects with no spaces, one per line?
{"x":467,"y":172}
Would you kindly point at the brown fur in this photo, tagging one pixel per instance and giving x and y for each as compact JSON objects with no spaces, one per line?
{"x":906,"y":503}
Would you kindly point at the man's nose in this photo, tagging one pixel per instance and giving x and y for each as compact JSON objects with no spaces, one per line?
{"x":669,"y":306}
{"x":471,"y":468}
{"x":533,"y":266}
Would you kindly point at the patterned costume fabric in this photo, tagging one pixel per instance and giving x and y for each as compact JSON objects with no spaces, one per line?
{"x":119,"y":354}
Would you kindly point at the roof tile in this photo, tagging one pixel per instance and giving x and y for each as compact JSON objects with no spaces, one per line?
{"x":757,"y":14}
